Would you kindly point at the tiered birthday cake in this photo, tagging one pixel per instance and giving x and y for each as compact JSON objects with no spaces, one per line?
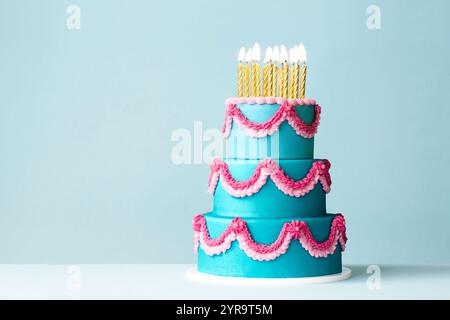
{"x":269,"y":217}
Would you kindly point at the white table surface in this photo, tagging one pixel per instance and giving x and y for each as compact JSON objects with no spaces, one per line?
{"x":170,"y":282}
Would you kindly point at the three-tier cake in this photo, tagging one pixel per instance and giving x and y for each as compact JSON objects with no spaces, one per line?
{"x":269,"y":217}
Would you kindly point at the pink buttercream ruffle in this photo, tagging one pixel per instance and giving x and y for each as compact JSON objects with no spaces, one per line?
{"x":319,"y":172}
{"x":295,"y":230}
{"x":270,"y":100}
{"x":285,"y":112}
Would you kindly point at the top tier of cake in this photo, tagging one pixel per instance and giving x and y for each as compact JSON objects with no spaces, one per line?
{"x":276,"y":128}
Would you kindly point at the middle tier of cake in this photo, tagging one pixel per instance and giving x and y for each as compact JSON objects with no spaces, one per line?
{"x":269,"y":188}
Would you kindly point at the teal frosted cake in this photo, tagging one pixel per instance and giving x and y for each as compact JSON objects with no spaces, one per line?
{"x":269,"y":217}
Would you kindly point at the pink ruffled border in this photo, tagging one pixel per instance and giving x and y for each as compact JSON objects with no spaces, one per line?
{"x":270,"y":100}
{"x":285,"y":112}
{"x":319,"y":172}
{"x":295,"y":230}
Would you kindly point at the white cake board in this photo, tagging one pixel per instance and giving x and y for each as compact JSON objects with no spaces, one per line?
{"x":193,"y":275}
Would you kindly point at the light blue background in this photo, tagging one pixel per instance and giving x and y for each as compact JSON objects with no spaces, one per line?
{"x":86,"y":119}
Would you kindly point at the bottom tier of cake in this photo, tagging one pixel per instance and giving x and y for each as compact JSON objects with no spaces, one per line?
{"x":269,"y":248}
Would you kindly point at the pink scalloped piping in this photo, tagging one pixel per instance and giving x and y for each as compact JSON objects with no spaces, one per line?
{"x":285,"y":112}
{"x":319,"y":172}
{"x":295,"y":230}
{"x":270,"y":100}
